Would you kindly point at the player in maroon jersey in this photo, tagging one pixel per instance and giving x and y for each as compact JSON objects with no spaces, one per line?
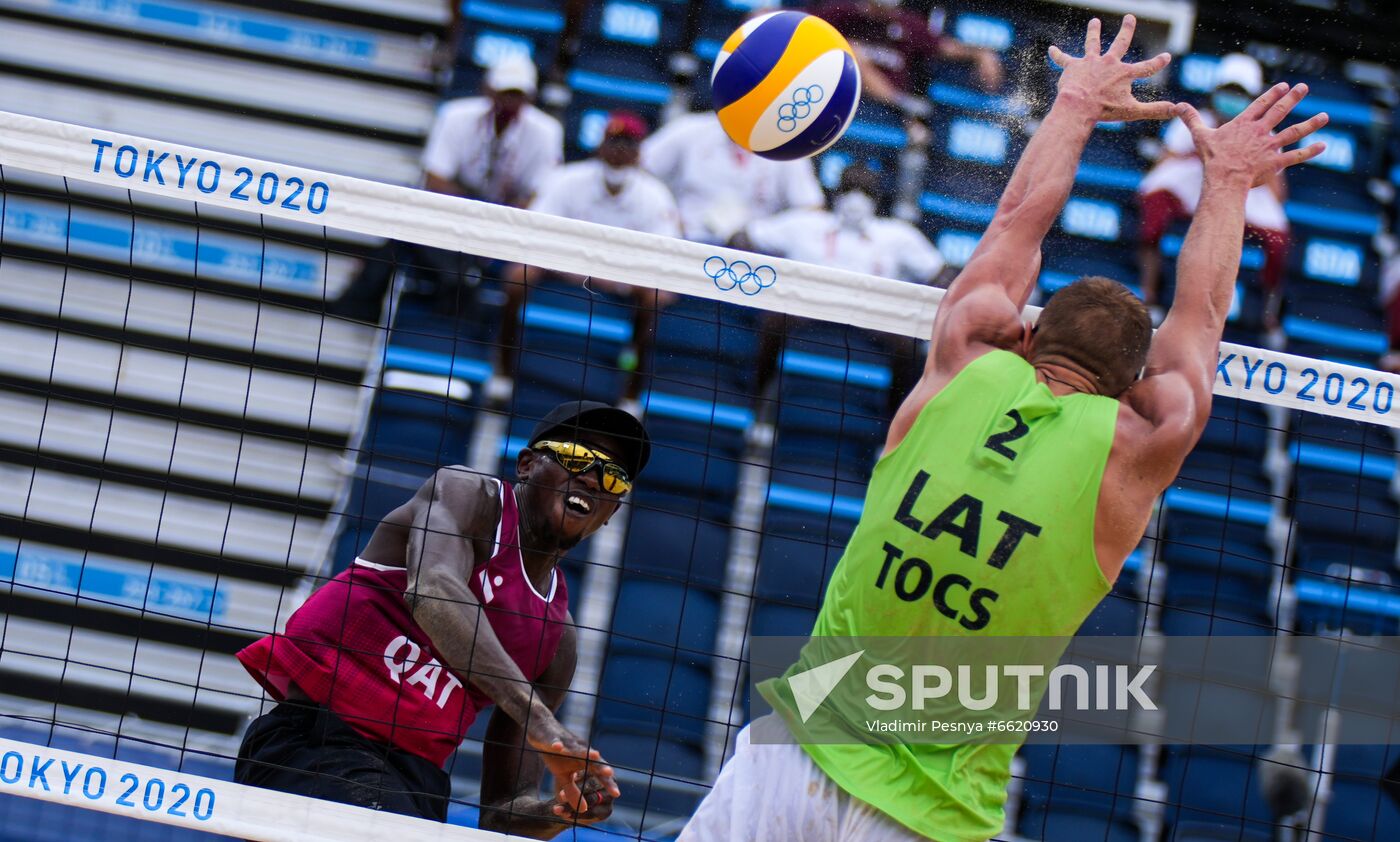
{"x":382,"y":671}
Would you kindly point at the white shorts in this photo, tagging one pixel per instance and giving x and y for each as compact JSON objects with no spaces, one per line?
{"x":771,"y":792}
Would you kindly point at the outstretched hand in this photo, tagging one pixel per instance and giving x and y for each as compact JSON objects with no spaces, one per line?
{"x":1247,"y":145}
{"x":1106,"y":81}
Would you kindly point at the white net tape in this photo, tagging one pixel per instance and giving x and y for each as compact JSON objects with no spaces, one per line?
{"x":205,"y":804}
{"x":767,"y":283}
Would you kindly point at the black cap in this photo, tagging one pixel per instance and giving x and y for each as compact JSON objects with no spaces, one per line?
{"x":571,"y":417}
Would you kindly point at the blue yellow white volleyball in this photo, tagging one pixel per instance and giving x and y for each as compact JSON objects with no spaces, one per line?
{"x":785,"y":85}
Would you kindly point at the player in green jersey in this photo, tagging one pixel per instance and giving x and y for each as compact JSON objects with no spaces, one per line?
{"x":1019,"y":473}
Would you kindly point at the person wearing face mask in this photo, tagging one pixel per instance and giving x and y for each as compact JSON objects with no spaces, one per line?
{"x":849,"y":235}
{"x":609,"y":189}
{"x":719,"y":185}
{"x":1172,"y":190}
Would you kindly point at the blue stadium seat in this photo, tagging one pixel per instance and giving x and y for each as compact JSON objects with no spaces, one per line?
{"x":1315,"y":205}
{"x":1214,"y":794}
{"x":656,"y":677}
{"x":1108,"y":169}
{"x":705,"y":345}
{"x":428,"y":429}
{"x":976,"y":143}
{"x":654,"y":617}
{"x":571,"y":340}
{"x":601,"y":81}
{"x":981,"y":29}
{"x":1087,"y":221}
{"x":965,"y":99}
{"x":1327,"y":604}
{"x":1342,"y":561}
{"x":645,"y":31}
{"x":1236,"y":427}
{"x":1360,"y":807}
{"x":1086,"y":779}
{"x":822,"y":366}
{"x":1333,"y":261}
{"x":1074,"y":823}
{"x":781,"y":619}
{"x":794,"y":571}
{"x":1344,"y":508}
{"x":1067,"y":266}
{"x":498,"y":28}
{"x":952,"y":198}
{"x":661,"y":760}
{"x":697,"y":419}
{"x":1215,"y":546}
{"x":833,"y":400}
{"x":689,"y":479}
{"x":1117,"y":615}
{"x":676,"y":546}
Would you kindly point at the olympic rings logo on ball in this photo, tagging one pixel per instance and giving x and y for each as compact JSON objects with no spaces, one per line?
{"x":751,"y":280}
{"x":801,"y":106}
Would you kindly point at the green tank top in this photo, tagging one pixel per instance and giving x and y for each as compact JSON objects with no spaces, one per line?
{"x":995,"y":486}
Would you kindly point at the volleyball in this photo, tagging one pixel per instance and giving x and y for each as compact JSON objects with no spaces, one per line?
{"x":786,"y":85}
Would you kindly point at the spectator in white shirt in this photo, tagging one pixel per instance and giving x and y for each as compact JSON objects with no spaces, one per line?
{"x":498,"y":147}
{"x":609,"y":189}
{"x":849,"y":235}
{"x":720,"y":186}
{"x":1172,"y":189}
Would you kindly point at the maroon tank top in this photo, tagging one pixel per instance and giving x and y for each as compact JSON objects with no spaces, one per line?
{"x":355,"y":648}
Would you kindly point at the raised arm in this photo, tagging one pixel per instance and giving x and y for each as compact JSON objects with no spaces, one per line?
{"x":1002,"y":271}
{"x":1175,"y":394}
{"x":440,"y":557}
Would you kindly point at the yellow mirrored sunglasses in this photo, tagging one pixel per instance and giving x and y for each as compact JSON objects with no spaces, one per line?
{"x":580,"y":459}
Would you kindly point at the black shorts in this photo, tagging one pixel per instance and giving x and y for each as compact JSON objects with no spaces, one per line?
{"x":307,"y":750}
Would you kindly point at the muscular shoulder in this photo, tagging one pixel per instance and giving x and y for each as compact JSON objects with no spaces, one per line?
{"x":1159,"y":422}
{"x":473,"y":499}
{"x":971,"y":324}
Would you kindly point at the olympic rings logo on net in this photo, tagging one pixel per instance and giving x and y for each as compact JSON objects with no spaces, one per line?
{"x":751,"y":280}
{"x":802,"y":101}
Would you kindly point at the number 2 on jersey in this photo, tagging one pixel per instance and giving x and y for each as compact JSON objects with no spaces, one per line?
{"x":997,"y":443}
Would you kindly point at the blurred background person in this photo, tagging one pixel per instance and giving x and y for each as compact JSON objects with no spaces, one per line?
{"x":496,"y":147}
{"x":1172,"y":189}
{"x":610,"y":189}
{"x":720,"y":186}
{"x":893,"y":46}
{"x":849,"y":234}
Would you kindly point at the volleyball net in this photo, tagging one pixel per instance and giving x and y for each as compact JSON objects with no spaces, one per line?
{"x":222,"y":373}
